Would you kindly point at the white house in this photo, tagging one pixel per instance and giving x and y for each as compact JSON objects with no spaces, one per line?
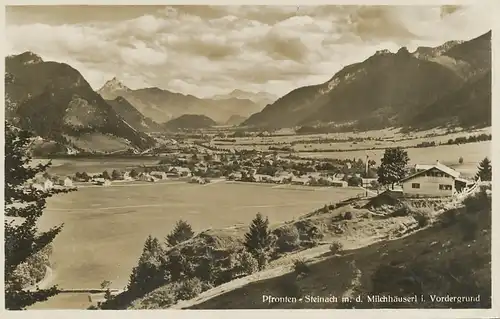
{"x":147,"y":178}
{"x":43,"y":183}
{"x":433,"y":181}
{"x":159,"y":175}
{"x":67,"y":182}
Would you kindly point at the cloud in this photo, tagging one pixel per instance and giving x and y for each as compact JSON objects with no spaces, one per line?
{"x":207,"y":50}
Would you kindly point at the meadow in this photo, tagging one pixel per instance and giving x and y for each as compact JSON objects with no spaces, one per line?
{"x":69,"y":166}
{"x":472,"y":154}
{"x":105,"y":227}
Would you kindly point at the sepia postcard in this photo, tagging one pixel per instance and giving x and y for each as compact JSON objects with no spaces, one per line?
{"x":323,"y":157}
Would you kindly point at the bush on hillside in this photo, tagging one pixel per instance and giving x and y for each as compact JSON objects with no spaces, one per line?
{"x":478,"y":202}
{"x":300,"y":267}
{"x":162,"y":298}
{"x":336,"y":247}
{"x":189,"y":288}
{"x":245,"y":264}
{"x":288,"y":239}
{"x":180,"y":233}
{"x":348,"y":215}
{"x":423,"y":216}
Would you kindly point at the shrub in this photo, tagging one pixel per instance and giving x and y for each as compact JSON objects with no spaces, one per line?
{"x":355,"y":181}
{"x":157,"y":299}
{"x":348,"y":216}
{"x":336,"y":247}
{"x":246,"y":263}
{"x":461,"y":160}
{"x":423,"y":216}
{"x":301,"y":267}
{"x":288,"y":239}
{"x":181,"y":233}
{"x":478,"y":202}
{"x":189,"y":289}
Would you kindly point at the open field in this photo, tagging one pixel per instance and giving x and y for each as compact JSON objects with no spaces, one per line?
{"x":377,"y":139}
{"x":70,"y":166}
{"x":105,"y":227}
{"x":472,"y":154}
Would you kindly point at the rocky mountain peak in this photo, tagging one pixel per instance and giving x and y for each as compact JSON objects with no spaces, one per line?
{"x":27,"y":57}
{"x":114,"y":85}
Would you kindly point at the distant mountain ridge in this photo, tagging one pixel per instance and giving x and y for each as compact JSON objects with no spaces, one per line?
{"x":190,"y":122}
{"x":260,"y":98}
{"x":387,"y":89}
{"x":57,"y":103}
{"x":163,"y":105}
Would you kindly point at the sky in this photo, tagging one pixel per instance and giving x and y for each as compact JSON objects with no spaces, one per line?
{"x":210,"y":50}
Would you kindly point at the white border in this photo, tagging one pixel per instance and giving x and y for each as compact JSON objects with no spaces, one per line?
{"x":243,"y":314}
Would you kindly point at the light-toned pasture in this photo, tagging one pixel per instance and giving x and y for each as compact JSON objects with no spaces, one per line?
{"x":95,"y":165}
{"x":472,"y":154}
{"x":105,"y":227}
{"x":390,"y":138}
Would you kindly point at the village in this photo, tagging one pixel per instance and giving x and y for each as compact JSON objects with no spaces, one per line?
{"x":206,"y":166}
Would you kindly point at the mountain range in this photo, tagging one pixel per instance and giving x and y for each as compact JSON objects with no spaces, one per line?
{"x":54,"y":101}
{"x":402,"y":89}
{"x":163,"y":105}
{"x":260,"y":98}
{"x":433,"y":86}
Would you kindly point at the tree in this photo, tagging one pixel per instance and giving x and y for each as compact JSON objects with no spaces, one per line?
{"x":393,"y":166}
{"x":116,"y":175}
{"x":149,"y":273}
{"x":105,"y":175}
{"x":258,"y":238}
{"x":24,"y":205}
{"x":85,"y":176}
{"x":105,"y":285}
{"x":461,"y":160}
{"x":134,"y":173}
{"x":180,"y":233}
{"x":484,"y":170}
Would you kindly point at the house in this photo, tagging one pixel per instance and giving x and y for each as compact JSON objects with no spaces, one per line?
{"x":199,"y":180}
{"x":299,"y":181}
{"x":43,"y":183}
{"x":336,"y":183}
{"x":434,"y":181}
{"x":101,"y":181}
{"x":66,"y":182}
{"x":158,"y":175}
{"x":147,"y":178}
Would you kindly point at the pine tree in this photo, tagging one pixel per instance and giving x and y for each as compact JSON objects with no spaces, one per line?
{"x":181,"y":232}
{"x":484,"y":170}
{"x":258,"y":238}
{"x":148,"y":274}
{"x":24,"y":205}
{"x":105,"y":175}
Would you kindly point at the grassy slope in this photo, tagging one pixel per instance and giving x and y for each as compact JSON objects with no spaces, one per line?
{"x":435,"y":260}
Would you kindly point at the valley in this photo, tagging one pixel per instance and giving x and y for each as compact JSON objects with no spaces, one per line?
{"x":238,"y":159}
